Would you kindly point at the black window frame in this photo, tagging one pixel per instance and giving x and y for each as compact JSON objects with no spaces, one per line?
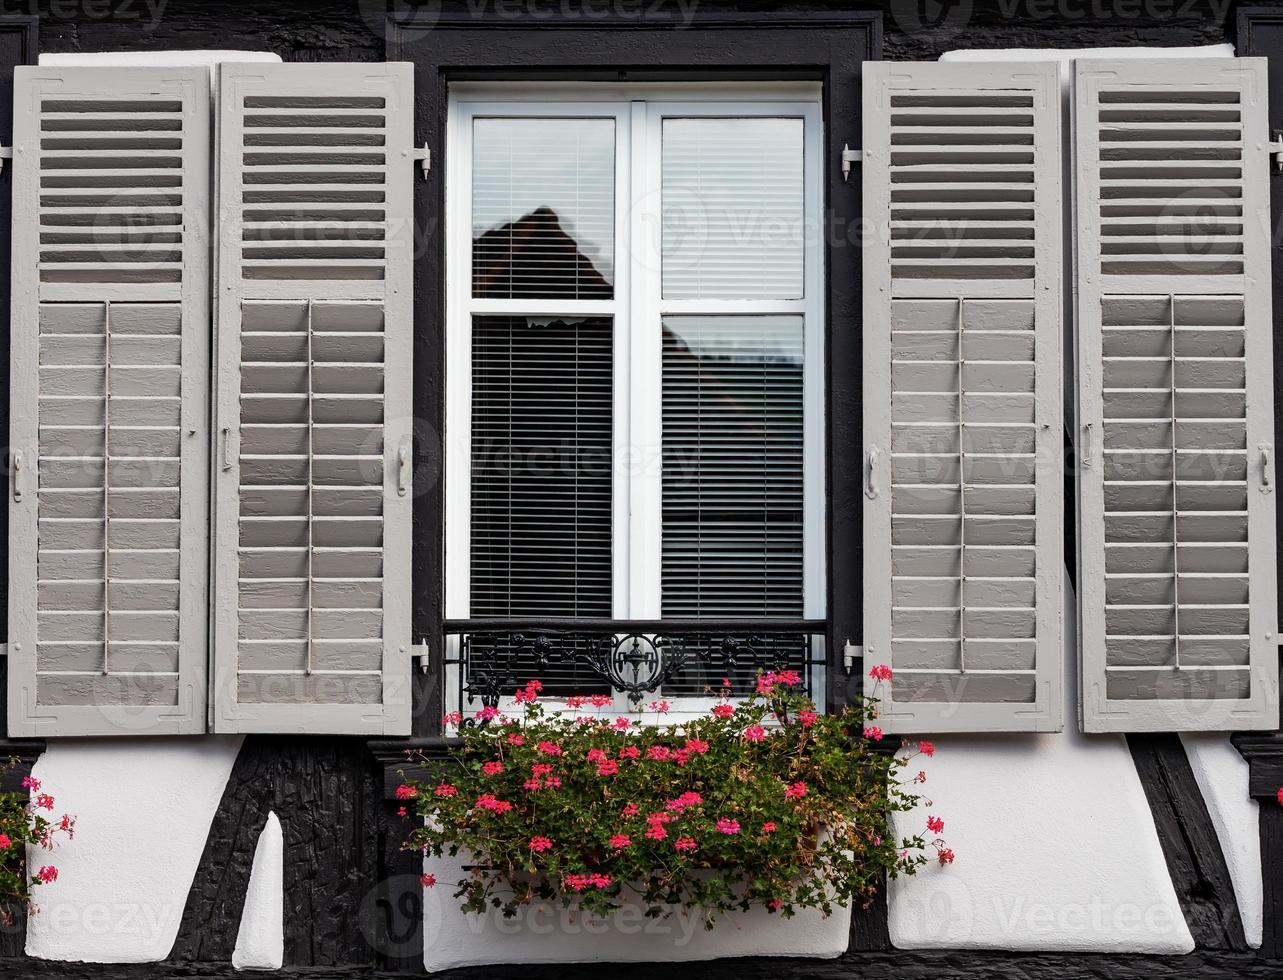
{"x":643,"y":40}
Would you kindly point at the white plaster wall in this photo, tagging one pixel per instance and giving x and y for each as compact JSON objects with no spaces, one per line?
{"x":547,"y":933}
{"x":160,"y":59}
{"x":1055,"y":842}
{"x":143,"y":809}
{"x":260,"y":942}
{"x":1222,"y":774}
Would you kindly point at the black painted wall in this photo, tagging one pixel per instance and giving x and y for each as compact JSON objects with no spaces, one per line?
{"x":350,"y":30}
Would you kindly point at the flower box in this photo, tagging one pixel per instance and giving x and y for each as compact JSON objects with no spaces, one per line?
{"x":764,"y":803}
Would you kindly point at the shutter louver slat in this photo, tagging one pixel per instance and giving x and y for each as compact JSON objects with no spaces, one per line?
{"x":1177,"y":537}
{"x":313,"y":518}
{"x":962,"y":395}
{"x":111,"y":289}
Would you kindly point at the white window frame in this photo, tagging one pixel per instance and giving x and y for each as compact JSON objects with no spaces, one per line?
{"x":638,"y":111}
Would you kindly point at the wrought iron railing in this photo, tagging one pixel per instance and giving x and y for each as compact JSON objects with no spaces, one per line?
{"x":490,"y":658}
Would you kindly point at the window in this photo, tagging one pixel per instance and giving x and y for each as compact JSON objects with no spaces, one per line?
{"x":634,"y":351}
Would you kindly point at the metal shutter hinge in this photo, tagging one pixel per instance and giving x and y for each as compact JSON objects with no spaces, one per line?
{"x":424,"y":156}
{"x":6,"y":153}
{"x":1275,"y":150}
{"x":850,"y":654}
{"x":422,"y":656}
{"x":4,"y":650}
{"x":849,"y":157}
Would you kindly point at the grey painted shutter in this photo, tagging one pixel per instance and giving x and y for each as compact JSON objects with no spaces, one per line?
{"x":110,"y":395}
{"x":312,"y":566}
{"x":962,"y":395}
{"x":1176,"y":405}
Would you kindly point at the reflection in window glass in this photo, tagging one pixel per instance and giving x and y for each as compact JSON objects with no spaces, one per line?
{"x":732,"y":471}
{"x":542,"y":394}
{"x":732,"y":208}
{"x":543,"y":208}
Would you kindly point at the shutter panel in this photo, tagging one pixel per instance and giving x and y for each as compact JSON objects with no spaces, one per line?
{"x":109,"y":400}
{"x":312,"y":568}
{"x":962,"y":406}
{"x":1176,"y":403}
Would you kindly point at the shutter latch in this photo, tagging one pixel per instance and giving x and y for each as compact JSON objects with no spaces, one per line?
{"x":422,"y":656}
{"x":424,"y":155}
{"x":1275,"y":150}
{"x":849,"y":157}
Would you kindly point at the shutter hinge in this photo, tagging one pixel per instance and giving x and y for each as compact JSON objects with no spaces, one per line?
{"x":4,"y":650}
{"x":424,"y":155}
{"x":6,"y":153}
{"x":422,"y":656}
{"x":1275,"y":150}
{"x":850,"y":654}
{"x":849,"y":157}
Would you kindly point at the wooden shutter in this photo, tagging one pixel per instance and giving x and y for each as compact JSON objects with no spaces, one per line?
{"x":109,"y":400}
{"x":962,"y":399}
{"x":312,"y":568}
{"x":1177,"y":584}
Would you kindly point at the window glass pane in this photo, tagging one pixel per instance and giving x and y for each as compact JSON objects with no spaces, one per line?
{"x":543,"y":208}
{"x":732,"y":471}
{"x":541,"y":466}
{"x":732,"y":208}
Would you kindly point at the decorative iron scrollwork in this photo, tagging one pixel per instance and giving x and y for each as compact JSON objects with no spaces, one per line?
{"x":637,"y":664}
{"x":634,"y":659}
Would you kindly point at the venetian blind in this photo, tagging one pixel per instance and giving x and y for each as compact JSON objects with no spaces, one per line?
{"x":732,"y":468}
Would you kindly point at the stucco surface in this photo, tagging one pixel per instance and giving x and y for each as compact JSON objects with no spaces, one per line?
{"x":143,"y":810}
{"x":1056,"y":846}
{"x":260,"y":943}
{"x":1222,"y":774}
